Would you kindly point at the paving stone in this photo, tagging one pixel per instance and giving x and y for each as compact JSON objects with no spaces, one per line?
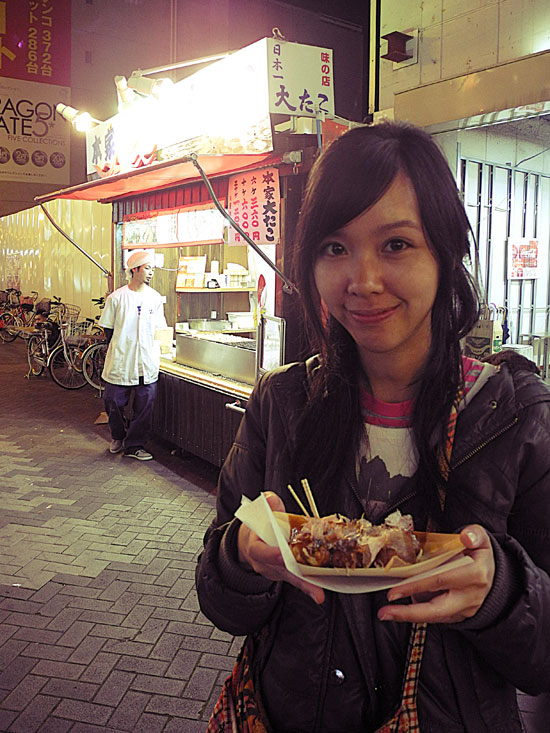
{"x":25,"y":691}
{"x":7,"y":631}
{"x":157,"y":685}
{"x":55,"y":725}
{"x":37,"y":635}
{"x":75,"y":634}
{"x":85,"y":712}
{"x":53,"y":668}
{"x":98,"y":670}
{"x":34,"y":714}
{"x":138,"y":616}
{"x":70,"y":688}
{"x":87,"y":650}
{"x":129,"y":710}
{"x":174,"y":706}
{"x":151,"y":723}
{"x":183,"y":725}
{"x":100,"y":628}
{"x":201,"y":683}
{"x":6,"y":719}
{"x":115,"y":686}
{"x":15,"y":671}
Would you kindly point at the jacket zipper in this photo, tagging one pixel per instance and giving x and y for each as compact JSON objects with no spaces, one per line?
{"x":484,"y":443}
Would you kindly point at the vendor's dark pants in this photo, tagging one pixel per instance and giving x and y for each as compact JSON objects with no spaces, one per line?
{"x":137,"y":431}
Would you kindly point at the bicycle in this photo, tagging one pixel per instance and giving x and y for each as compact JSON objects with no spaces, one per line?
{"x":39,"y":347}
{"x":65,"y":361}
{"x":19,"y":315}
{"x":11,"y":320}
{"x":93,"y":361}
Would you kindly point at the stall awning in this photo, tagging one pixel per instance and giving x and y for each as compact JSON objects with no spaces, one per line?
{"x":162,"y":175}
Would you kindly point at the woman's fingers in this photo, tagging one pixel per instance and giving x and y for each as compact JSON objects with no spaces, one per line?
{"x":449,"y":597}
{"x":265,"y":560}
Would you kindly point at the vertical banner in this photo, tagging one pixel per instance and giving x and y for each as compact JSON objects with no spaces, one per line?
{"x":255,"y":205}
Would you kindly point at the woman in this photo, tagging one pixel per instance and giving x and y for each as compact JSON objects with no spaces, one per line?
{"x":389,"y":415}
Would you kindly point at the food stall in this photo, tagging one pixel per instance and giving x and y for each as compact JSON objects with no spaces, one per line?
{"x":210,"y":175}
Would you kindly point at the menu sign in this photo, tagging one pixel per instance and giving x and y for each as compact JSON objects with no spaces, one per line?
{"x":194,"y":225}
{"x":255,"y":205}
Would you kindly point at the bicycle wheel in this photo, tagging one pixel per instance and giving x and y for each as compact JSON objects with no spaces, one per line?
{"x":93,"y":360}
{"x":36,"y":354}
{"x":63,"y":370}
{"x":9,"y":327}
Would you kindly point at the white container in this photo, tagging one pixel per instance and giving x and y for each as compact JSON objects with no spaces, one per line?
{"x":241,"y":319}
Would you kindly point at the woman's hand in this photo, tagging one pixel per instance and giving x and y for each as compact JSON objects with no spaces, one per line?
{"x":268,"y":561}
{"x":449,"y":597}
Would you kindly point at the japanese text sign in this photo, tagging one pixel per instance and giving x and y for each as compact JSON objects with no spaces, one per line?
{"x":301,"y":79}
{"x":35,"y":40}
{"x":194,"y":225}
{"x":255,"y":205}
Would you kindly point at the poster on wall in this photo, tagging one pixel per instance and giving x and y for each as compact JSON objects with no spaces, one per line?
{"x":35,"y":41}
{"x":255,"y":205}
{"x":523,"y":259}
{"x":34,"y":139}
{"x":201,"y":224}
{"x":191,"y":272}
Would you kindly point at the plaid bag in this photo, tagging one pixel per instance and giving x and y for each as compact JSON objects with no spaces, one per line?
{"x":239,"y":708}
{"x":405,"y":720}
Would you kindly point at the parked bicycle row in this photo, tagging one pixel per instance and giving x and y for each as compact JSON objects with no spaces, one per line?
{"x":72,"y":352}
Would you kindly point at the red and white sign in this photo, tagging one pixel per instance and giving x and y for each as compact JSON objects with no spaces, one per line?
{"x":523,"y":259}
{"x":255,"y":205}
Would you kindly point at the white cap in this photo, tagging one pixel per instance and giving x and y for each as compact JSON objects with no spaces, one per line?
{"x":140,"y":257}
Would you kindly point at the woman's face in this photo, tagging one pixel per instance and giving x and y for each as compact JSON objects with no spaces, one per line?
{"x":378,"y":278}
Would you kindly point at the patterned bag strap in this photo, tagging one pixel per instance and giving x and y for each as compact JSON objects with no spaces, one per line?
{"x":405,"y":719}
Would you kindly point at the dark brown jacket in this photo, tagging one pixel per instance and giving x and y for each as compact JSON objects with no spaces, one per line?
{"x":334,"y":667}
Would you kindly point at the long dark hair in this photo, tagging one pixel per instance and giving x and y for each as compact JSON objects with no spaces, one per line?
{"x":348,"y":178}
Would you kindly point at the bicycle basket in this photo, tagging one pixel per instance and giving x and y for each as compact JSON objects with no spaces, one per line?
{"x":26,"y":302}
{"x":75,"y":334}
{"x":3,"y":297}
{"x":70,"y":313}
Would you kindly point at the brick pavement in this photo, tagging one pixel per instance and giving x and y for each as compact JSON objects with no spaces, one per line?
{"x":100,"y":628}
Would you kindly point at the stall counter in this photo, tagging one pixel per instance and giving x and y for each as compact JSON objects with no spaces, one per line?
{"x":197,"y":411}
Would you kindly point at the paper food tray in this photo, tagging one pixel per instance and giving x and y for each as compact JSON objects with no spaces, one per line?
{"x":440,"y":552}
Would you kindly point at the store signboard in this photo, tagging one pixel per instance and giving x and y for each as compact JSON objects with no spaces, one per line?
{"x":35,"y":41}
{"x":222,"y":109}
{"x":255,"y":205}
{"x":202,"y":224}
{"x":523,"y":259}
{"x":301,"y":79}
{"x":34,"y":139}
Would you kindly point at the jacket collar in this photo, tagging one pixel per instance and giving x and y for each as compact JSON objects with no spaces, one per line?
{"x":495,"y":409}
